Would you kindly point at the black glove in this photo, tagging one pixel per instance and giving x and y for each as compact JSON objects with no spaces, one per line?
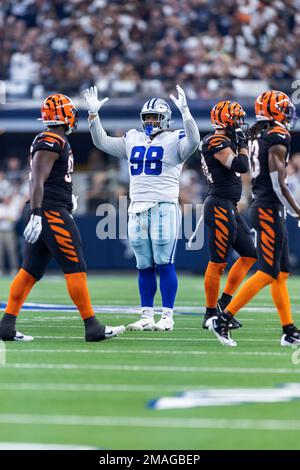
{"x":241,"y":138}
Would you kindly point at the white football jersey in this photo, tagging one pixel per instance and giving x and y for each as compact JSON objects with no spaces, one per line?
{"x":154,"y":165}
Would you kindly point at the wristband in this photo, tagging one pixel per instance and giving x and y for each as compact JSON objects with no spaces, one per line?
{"x":37,"y":211}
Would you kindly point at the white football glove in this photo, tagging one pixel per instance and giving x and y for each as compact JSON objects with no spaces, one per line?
{"x":33,"y":229}
{"x":180,"y":102}
{"x":74,"y":203}
{"x":92,"y":102}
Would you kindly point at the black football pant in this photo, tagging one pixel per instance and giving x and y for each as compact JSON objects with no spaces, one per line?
{"x":227,"y":229}
{"x":271,"y":239}
{"x":60,"y":239}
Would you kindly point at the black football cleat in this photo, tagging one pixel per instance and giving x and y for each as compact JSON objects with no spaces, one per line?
{"x":95,"y":331}
{"x":8,"y":329}
{"x":220,"y":326}
{"x":234,"y":323}
{"x":291,"y":336}
{"x":210,"y":313}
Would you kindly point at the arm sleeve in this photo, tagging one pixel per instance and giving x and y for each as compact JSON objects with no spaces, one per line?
{"x":114,"y":146}
{"x":240,"y":163}
{"x":189,"y":139}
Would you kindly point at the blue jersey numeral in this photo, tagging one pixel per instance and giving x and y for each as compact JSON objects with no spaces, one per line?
{"x":152,"y":157}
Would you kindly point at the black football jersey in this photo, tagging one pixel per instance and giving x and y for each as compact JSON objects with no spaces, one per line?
{"x":58,"y":186}
{"x":222,"y":181}
{"x":262,"y":189}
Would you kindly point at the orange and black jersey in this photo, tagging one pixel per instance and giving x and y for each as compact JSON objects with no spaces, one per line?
{"x":58,"y":186}
{"x":222,"y":182}
{"x":262,"y":188}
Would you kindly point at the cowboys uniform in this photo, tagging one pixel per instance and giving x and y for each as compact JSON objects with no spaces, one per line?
{"x":155,"y":158}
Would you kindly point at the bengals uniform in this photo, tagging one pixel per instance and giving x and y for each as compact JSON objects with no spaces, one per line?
{"x":60,"y":236}
{"x":50,"y":228}
{"x":224,"y":156}
{"x":226,"y":227}
{"x":270,"y":148}
{"x":266,"y":211}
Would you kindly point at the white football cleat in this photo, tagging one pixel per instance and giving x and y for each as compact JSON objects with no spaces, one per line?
{"x":144,"y":324}
{"x":111,"y":331}
{"x":289,"y":340}
{"x":221,"y":331}
{"x":20,"y":337}
{"x":166,"y":323}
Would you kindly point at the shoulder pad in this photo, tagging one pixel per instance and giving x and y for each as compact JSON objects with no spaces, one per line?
{"x":48,"y":141}
{"x":132,"y":132}
{"x":278,"y":135}
{"x":218,"y":142}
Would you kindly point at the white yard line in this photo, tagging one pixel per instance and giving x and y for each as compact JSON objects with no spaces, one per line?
{"x":151,"y":368}
{"x":140,"y":422}
{"x":165,"y":337}
{"x":196,"y":318}
{"x":149,"y":351}
{"x":118,"y":388}
{"x":199,"y":328}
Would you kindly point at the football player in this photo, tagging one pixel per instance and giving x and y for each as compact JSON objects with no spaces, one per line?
{"x":224,"y":156}
{"x":50,"y":228}
{"x":155,"y":157}
{"x":270,"y":150}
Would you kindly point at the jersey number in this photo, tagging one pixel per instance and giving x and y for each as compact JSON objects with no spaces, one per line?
{"x":68,"y":177}
{"x":146,"y":160}
{"x":254,"y":160}
{"x":205,"y":170}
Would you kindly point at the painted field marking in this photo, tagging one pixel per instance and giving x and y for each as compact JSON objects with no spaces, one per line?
{"x":150,"y":368}
{"x":140,"y":422}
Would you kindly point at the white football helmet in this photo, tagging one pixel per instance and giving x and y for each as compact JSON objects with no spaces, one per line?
{"x":163,"y":111}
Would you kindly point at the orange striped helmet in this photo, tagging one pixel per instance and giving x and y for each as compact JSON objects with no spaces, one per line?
{"x":58,"y":109}
{"x":275,"y":106}
{"x":227,"y":114}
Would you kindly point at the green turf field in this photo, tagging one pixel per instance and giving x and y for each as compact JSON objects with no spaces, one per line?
{"x":61,"y":390}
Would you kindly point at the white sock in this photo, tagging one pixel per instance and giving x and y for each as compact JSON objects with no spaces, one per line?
{"x":147,"y":312}
{"x":168,"y":312}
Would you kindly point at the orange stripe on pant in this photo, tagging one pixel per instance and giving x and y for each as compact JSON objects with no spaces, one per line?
{"x":53,"y":219}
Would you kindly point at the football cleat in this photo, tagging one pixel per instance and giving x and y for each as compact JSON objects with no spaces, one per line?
{"x":16,"y":336}
{"x":207,"y":316}
{"x":111,"y":331}
{"x":291,"y":337}
{"x":234,"y":324}
{"x":221,"y":330}
{"x":95,"y":331}
{"x":166,"y":323}
{"x":144,"y":324}
{"x":20,"y":337}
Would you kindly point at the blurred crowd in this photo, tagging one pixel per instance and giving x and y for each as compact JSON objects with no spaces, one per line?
{"x":103,"y":180}
{"x":232,"y":48}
